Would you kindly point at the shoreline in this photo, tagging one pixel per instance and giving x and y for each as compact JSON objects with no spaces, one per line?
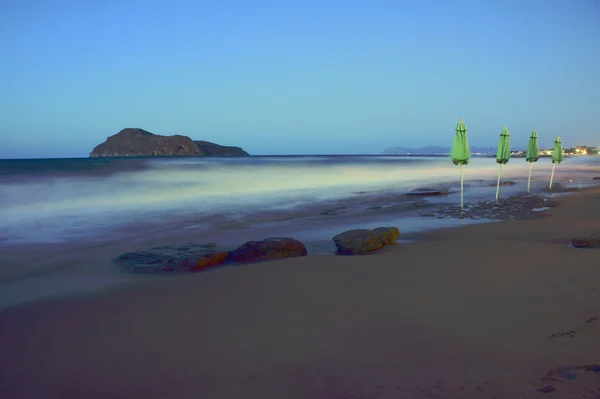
{"x":59,"y":273}
{"x":478,"y":311}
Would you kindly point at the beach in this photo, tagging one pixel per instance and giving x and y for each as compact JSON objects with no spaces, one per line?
{"x":296,"y":200}
{"x":482,"y":311}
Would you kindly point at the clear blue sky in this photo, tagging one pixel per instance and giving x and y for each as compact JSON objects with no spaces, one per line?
{"x":293,"y":77}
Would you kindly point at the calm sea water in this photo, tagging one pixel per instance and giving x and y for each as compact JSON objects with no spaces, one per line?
{"x":48,"y":200}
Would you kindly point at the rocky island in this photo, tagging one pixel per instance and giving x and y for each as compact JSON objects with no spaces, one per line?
{"x":133,"y":142}
{"x":215,"y":150}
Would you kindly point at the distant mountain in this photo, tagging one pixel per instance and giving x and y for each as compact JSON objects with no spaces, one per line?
{"x":133,"y":142}
{"x":434,"y":150}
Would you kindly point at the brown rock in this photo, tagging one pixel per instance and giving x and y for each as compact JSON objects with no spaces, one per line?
{"x":388,"y":235}
{"x":267,"y":249}
{"x":361,"y":241}
{"x":184,"y":257}
{"x":208,"y":260}
{"x":596,"y":178}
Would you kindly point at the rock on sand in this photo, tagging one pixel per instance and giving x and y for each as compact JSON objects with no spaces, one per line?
{"x":361,"y":241}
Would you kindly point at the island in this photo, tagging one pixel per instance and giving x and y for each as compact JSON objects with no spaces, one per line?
{"x":135,"y":142}
{"x":215,"y":150}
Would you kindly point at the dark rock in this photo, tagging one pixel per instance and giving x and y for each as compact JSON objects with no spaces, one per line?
{"x":267,"y":249}
{"x":360,"y":241}
{"x":132,"y":142}
{"x":429,"y":191}
{"x":587,"y":242}
{"x":215,"y":150}
{"x":503,"y":183}
{"x":185,"y":257}
{"x":596,"y":178}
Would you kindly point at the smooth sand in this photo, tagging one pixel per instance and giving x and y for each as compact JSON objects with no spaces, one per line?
{"x":463,"y":313}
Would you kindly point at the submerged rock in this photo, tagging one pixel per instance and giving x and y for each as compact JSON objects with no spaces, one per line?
{"x":267,"y":249}
{"x":177,"y":258}
{"x":429,"y":191}
{"x":361,"y":241}
{"x":587,"y":242}
{"x":596,"y":178}
{"x":503,"y":183}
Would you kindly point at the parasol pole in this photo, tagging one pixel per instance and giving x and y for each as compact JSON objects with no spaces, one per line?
{"x":498,"y":185}
{"x":552,"y":176}
{"x":529,"y":181}
{"x":462,"y":188}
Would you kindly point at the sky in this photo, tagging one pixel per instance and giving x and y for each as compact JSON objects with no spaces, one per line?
{"x":297,"y":77}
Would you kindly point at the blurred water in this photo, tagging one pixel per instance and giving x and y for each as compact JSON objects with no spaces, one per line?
{"x":54,"y":200}
{"x":62,"y":220}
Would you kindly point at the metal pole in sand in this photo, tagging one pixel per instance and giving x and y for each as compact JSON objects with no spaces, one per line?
{"x":552,"y":176}
{"x":498,"y":186}
{"x":529,"y":181}
{"x":462,"y":188}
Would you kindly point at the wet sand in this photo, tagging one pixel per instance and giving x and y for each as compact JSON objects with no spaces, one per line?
{"x":484,"y":311}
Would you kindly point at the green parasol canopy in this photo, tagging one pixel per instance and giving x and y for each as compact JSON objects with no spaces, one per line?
{"x":503,"y":154}
{"x":533,"y":148}
{"x":460,"y":149}
{"x":557,"y":154}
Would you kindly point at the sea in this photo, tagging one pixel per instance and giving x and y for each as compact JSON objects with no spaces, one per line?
{"x":53,"y":209}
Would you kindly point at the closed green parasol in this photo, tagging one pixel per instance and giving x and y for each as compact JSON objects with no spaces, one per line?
{"x":532,"y":155}
{"x":503,"y":155}
{"x":557,"y":156}
{"x":461,"y":154}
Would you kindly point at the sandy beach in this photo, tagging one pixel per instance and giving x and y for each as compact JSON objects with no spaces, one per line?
{"x":482,"y":311}
{"x":299,"y":200}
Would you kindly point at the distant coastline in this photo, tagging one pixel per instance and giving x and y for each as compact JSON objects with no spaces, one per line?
{"x":485,"y":151}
